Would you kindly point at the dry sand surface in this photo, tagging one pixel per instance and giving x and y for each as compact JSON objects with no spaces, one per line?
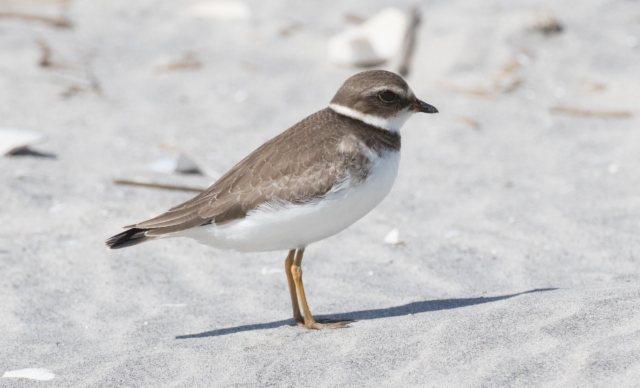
{"x":521,"y":258}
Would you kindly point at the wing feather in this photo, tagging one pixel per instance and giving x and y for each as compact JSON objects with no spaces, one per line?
{"x":289,"y":168}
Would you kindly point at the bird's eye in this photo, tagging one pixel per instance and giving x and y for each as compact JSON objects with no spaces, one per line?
{"x":387,"y":96}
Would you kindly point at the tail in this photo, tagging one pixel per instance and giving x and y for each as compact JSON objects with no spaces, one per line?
{"x":128,"y":238}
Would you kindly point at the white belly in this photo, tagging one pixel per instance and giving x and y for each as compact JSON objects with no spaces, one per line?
{"x":289,"y":226}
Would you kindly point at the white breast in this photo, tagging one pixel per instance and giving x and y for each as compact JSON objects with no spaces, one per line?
{"x":280,"y":226}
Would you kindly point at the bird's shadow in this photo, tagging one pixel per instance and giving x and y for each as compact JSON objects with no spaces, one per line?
{"x":364,"y":315}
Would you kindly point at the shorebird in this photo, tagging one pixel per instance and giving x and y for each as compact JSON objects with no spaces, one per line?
{"x":308,"y":183}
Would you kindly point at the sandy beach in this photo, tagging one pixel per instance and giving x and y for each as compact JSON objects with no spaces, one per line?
{"x":517,"y":206}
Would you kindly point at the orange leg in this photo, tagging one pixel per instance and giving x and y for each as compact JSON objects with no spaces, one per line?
{"x":309,"y":322}
{"x":288,"y":265}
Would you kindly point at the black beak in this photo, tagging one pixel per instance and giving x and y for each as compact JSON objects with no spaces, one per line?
{"x":421,"y":106}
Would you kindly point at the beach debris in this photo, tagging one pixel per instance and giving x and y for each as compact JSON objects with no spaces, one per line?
{"x":270,"y":271}
{"x":353,"y":48}
{"x":469,"y":122}
{"x":13,"y":141}
{"x":91,"y":83}
{"x":590,"y":113}
{"x":371,"y":43}
{"x":179,"y":163}
{"x":58,"y":22}
{"x":546,"y":23}
{"x":354,"y":19}
{"x":393,"y":237}
{"x":504,"y":81}
{"x":290,"y":29}
{"x":593,"y":87}
{"x":30,"y":373}
{"x":221,"y":10}
{"x":187,"y":62}
{"x":143,"y":183}
{"x":409,"y":43}
{"x":45,"y":54}
{"x":386,"y":31}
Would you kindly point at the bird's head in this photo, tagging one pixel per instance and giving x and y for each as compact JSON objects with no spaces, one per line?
{"x":379,"y":98}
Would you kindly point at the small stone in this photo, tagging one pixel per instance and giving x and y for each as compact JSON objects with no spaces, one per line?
{"x":393,"y":237}
{"x":180,"y":163}
{"x":546,"y":23}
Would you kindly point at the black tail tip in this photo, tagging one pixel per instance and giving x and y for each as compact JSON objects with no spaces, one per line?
{"x":127,"y":238}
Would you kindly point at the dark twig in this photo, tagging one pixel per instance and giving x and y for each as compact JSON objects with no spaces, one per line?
{"x":409,"y":43}
{"x":45,"y":54}
{"x":157,"y":185}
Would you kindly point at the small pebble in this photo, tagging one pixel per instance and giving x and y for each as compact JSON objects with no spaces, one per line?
{"x":393,"y":237}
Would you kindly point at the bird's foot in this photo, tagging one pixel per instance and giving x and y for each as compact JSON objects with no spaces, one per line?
{"x":325,"y":324}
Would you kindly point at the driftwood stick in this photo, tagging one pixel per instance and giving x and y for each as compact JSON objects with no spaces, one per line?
{"x":157,"y":185}
{"x":60,"y":22}
{"x":409,"y":43}
{"x":605,"y":114}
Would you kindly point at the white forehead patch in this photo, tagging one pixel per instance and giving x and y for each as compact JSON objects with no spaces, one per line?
{"x":391,"y":124}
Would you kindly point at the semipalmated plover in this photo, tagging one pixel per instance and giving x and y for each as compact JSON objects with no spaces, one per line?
{"x":306,"y":184}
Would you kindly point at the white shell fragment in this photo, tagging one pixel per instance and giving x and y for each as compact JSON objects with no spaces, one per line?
{"x":376,"y":41}
{"x":353,"y":48}
{"x":180,"y":163}
{"x":386,"y":31}
{"x":221,"y":10}
{"x":30,"y":373}
{"x":270,"y":271}
{"x":12,"y":140}
{"x":393,"y":237}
